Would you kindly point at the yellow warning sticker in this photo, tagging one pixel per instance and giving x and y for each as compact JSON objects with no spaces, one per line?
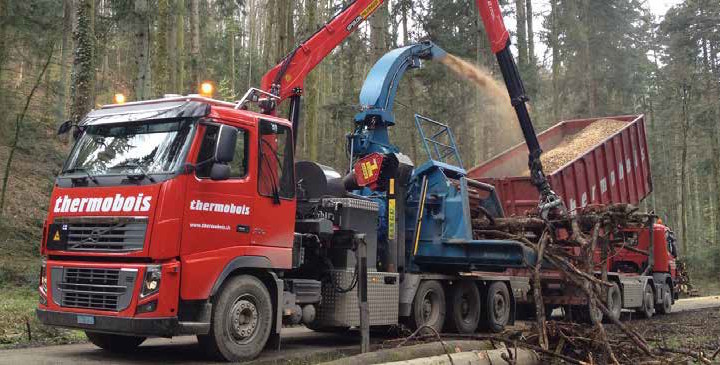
{"x":370,"y":9}
{"x":391,"y":219}
{"x":57,"y":236}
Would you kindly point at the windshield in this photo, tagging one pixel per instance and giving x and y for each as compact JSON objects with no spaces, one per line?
{"x":149,"y":147}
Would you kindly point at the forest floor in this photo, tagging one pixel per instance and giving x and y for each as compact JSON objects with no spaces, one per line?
{"x":37,"y":159}
{"x":693,"y":330}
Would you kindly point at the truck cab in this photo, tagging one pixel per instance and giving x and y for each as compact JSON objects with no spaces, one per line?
{"x":157,"y":204}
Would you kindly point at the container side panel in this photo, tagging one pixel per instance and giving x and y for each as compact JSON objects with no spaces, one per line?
{"x":619,"y":170}
{"x":629,"y":171}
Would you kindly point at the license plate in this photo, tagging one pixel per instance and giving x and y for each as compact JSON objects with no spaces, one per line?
{"x":85,"y":320}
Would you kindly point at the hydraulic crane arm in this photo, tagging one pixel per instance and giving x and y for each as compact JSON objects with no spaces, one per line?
{"x":286,"y":79}
{"x":500,"y":45}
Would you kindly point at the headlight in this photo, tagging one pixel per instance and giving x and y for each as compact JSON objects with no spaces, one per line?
{"x":43,"y":277}
{"x":151,"y":283}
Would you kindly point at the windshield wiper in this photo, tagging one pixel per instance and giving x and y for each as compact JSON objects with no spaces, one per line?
{"x":85,"y":171}
{"x":143,"y":173}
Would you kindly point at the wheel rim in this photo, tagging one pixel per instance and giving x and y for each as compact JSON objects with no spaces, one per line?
{"x":615,"y":302}
{"x":466,"y":308}
{"x":244,"y":318}
{"x":499,"y":307}
{"x":649,"y":302}
{"x":430,"y":310}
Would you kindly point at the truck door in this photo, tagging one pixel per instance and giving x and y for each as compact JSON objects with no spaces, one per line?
{"x":219,"y":213}
{"x":274,"y":223}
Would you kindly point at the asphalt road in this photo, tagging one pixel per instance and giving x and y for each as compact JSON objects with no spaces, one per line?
{"x":297,"y":343}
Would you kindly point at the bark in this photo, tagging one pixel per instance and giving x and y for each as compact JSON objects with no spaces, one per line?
{"x":268,"y":31}
{"x":195,"y":72}
{"x":587,"y":57}
{"x":683,"y":167}
{"x":522,"y":43}
{"x":379,"y":29}
{"x":68,"y":20}
{"x":83,"y":68}
{"x":311,"y":90}
{"x":530,"y":32}
{"x":405,"y":9}
{"x":180,"y":38}
{"x":285,"y":30}
{"x":252,"y":43}
{"x":161,"y":59}
{"x":555,"y":45}
{"x":233,"y":79}
{"x":142,"y":49}
{"x":3,"y":35}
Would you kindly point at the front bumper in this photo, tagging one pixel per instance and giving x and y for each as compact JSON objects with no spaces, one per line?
{"x":161,"y":326}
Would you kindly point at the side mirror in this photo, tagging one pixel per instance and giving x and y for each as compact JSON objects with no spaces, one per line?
{"x":64,"y":127}
{"x":219,"y":171}
{"x":225,"y":147}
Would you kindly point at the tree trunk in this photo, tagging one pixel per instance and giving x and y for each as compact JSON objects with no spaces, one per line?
{"x":268,"y":31}
{"x":3,"y":36}
{"x":195,"y":73}
{"x":587,"y":59}
{"x":83,"y":69}
{"x":161,"y":61}
{"x":522,"y":43}
{"x":683,"y":167}
{"x":142,"y":49}
{"x":530,"y":32}
{"x":311,"y":90}
{"x":68,"y":20}
{"x":715,"y":135}
{"x":554,"y":43}
{"x":405,"y":9}
{"x":379,"y":29}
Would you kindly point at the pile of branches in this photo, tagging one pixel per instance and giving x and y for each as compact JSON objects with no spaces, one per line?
{"x":568,"y":241}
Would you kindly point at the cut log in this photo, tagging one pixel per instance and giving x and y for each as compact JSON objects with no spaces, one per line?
{"x":487,"y":357}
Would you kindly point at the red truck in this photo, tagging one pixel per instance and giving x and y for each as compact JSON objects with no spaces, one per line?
{"x":616,"y":170}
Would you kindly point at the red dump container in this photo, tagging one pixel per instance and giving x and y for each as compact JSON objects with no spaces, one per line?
{"x":617,"y":170}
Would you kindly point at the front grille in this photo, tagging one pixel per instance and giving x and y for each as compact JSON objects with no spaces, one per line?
{"x":108,"y":234}
{"x":93,"y":288}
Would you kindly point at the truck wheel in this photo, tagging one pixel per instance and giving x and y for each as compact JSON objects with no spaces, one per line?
{"x":614,"y":302}
{"x":498,"y":307}
{"x":428,"y":306}
{"x":114,"y":343}
{"x":465,"y":307}
{"x":665,"y":306}
{"x":241,"y":320}
{"x":648,"y":305}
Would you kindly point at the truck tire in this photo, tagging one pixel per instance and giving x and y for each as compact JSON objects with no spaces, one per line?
{"x":497,"y":304}
{"x":647,"y":309}
{"x":665,"y":306}
{"x":114,"y":343}
{"x":614,"y":302}
{"x":464,"y":307}
{"x":241,"y":320}
{"x":428,"y":306}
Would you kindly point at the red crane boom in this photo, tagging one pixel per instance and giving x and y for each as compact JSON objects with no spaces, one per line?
{"x":286,"y":79}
